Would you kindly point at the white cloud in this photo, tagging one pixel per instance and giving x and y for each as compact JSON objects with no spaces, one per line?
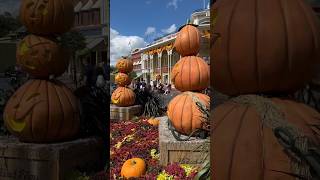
{"x":121,"y":45}
{"x":170,"y":29}
{"x":150,"y":30}
{"x":173,"y":3}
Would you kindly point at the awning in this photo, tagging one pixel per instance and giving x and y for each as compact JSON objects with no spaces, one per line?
{"x":77,"y":8}
{"x":87,"y":6}
{"x":91,"y":44}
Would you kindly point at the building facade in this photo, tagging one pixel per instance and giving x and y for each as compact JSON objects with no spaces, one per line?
{"x":137,"y":65}
{"x":159,"y":57}
{"x":92,"y":21}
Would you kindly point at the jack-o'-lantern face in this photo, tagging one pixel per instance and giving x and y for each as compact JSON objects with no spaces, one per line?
{"x":123,"y":97}
{"x":36,"y":10}
{"x":42,"y":111}
{"x":41,"y":57}
{"x":122,"y":79}
{"x":47,"y":16}
{"x":124,"y":65}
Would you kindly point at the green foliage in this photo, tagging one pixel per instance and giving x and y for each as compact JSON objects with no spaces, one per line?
{"x":8,"y":23}
{"x":73,"y":40}
{"x":113,"y":69}
{"x":95,"y":113}
{"x":4,"y":97}
{"x":133,"y":75}
{"x":150,"y":102}
{"x":76,"y":175}
{"x":205,"y":172}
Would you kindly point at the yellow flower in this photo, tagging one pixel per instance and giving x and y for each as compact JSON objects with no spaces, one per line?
{"x":133,"y":129}
{"x":188,"y":169}
{"x":118,"y":145}
{"x":129,"y":138}
{"x":164,"y":176}
{"x":154,"y":154}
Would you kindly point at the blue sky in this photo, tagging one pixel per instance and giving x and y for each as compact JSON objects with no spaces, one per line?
{"x":140,"y":21}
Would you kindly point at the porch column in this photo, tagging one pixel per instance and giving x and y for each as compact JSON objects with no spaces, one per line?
{"x":97,"y":57}
{"x":151,"y":66}
{"x":160,"y":65}
{"x":169,"y":65}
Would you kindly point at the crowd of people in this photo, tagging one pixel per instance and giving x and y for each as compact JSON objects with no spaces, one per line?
{"x":153,"y":86}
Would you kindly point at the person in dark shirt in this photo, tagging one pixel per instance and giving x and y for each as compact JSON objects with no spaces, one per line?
{"x":89,"y":74}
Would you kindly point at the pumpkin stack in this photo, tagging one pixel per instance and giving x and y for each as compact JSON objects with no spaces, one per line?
{"x":43,"y":109}
{"x":123,"y":96}
{"x":190,"y":75}
{"x":270,"y":54}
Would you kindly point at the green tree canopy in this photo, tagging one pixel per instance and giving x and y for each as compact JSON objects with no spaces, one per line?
{"x":8,"y":23}
{"x":73,"y":40}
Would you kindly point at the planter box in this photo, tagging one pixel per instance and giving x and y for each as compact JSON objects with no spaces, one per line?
{"x":184,"y":152}
{"x":27,"y":161}
{"x":124,"y":113}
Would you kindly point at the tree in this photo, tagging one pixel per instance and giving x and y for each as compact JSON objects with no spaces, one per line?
{"x":75,"y":42}
{"x":112,"y":69}
{"x":8,"y":23}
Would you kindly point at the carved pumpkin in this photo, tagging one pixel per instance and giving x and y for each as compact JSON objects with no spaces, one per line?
{"x":42,"y":111}
{"x":243,"y":145}
{"x":47,"y":16}
{"x":122,"y":79}
{"x":256,"y":51}
{"x":190,"y":73}
{"x":158,"y":77}
{"x":123,"y":97}
{"x":124,"y":65}
{"x":133,"y":168}
{"x":153,"y":121}
{"x":41,"y":57}
{"x":184,"y":113}
{"x":188,"y":41}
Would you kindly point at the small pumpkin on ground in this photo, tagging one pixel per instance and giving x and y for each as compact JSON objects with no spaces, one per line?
{"x":188,"y":41}
{"x":123,"y":97}
{"x":47,"y":16}
{"x":124,"y":65}
{"x":133,"y":168}
{"x":153,"y":121}
{"x":244,"y":145}
{"x":122,"y":79}
{"x":42,"y":111}
{"x":184,"y":113}
{"x":41,"y":57}
{"x":191,"y":73}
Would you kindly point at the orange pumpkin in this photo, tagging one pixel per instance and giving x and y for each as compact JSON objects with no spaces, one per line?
{"x":184,"y":113}
{"x":42,"y":111}
{"x":243,"y":146}
{"x":154,"y":121}
{"x":255,"y":51}
{"x":158,"y":77}
{"x":47,"y":16}
{"x":41,"y":57}
{"x":124,"y":65}
{"x":191,"y":73}
{"x":122,"y":79}
{"x":123,"y":97}
{"x":133,"y":168}
{"x":188,"y":41}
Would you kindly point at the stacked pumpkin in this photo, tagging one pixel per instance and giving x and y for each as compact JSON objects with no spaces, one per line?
{"x":260,"y":137}
{"x":43,"y":109}
{"x":189,"y":75}
{"x":123,"y":96}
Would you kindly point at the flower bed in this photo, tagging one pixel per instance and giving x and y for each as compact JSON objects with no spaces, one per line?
{"x":137,"y":138}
